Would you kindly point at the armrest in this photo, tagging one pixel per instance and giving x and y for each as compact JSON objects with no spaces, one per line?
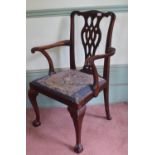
{"x":60,"y":43}
{"x":43,"y":49}
{"x":90,"y":62}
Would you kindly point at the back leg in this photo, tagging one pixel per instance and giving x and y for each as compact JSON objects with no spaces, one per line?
{"x":106,"y":102}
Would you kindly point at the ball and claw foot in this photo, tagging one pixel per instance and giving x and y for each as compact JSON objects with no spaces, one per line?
{"x":78,"y":148}
{"x":36,"y":123}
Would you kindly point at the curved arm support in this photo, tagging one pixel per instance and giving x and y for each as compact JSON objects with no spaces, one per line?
{"x":50,"y":62}
{"x":43,"y":48}
{"x":90,"y":62}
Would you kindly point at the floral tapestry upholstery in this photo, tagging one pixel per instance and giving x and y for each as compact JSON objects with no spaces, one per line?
{"x":72,"y":84}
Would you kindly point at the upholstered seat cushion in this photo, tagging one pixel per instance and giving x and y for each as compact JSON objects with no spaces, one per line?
{"x":71,"y":84}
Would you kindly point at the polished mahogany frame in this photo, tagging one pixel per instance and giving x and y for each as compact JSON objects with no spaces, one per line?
{"x":91,"y":37}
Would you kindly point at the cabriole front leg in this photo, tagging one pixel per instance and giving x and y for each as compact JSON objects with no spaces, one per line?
{"x":77,"y":116}
{"x":32,"y":96}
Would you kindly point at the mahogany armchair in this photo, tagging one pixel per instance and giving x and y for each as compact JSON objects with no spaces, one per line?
{"x":73,"y":87}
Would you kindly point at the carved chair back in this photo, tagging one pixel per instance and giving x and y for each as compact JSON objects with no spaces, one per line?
{"x":91,"y":36}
